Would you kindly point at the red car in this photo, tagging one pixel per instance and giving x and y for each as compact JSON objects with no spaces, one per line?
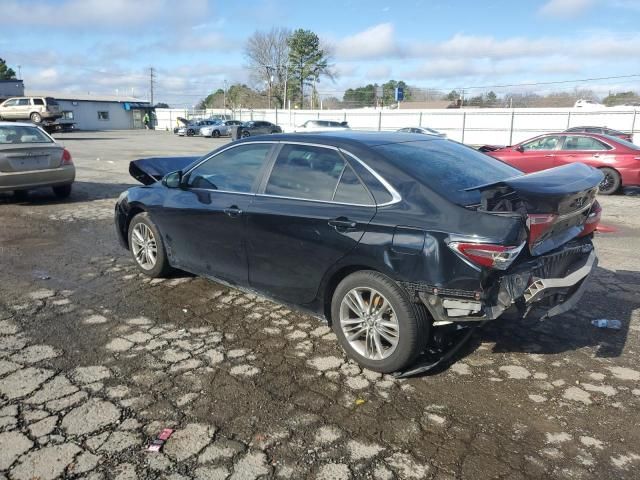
{"x":618,"y":159}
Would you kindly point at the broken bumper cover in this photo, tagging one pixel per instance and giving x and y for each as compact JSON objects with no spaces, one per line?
{"x":521,"y":291}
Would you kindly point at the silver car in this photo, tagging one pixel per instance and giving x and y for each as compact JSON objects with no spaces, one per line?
{"x":30,"y":158}
{"x":193,"y":127}
{"x":423,"y":131}
{"x":321,"y":126}
{"x":219,"y":129}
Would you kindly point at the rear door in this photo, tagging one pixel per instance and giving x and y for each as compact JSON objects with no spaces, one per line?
{"x":580,"y":148}
{"x":537,"y":154}
{"x":312,"y":210}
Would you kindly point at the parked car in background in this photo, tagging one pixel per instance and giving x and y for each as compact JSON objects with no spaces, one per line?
{"x":601,"y":131}
{"x":617,"y":159}
{"x":311,"y":126}
{"x":388,"y":236}
{"x":258,"y":127}
{"x":30,"y":158}
{"x":588,"y":104}
{"x":219,"y":128}
{"x":193,"y":128}
{"x":35,"y":109}
{"x":423,"y":131}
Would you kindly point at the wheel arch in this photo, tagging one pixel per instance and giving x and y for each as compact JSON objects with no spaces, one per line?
{"x":134,"y":210}
{"x":609,"y":167}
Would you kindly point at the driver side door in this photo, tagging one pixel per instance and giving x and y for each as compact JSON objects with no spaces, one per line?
{"x":537,"y":154}
{"x":203,"y":223}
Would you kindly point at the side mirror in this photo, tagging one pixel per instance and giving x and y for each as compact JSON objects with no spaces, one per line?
{"x":173,"y":179}
{"x":519,"y":148}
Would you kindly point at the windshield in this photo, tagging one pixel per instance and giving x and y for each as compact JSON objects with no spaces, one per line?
{"x":448,"y":167}
{"x":10,"y":134}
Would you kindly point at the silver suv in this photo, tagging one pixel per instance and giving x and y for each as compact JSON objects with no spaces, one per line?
{"x":35,"y":109}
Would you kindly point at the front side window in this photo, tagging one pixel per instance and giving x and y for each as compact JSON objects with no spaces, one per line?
{"x":583,"y":143}
{"x":233,"y":170}
{"x":10,"y":103}
{"x":306,"y":172}
{"x":10,"y":134}
{"x":103,"y":115}
{"x":542,"y":143}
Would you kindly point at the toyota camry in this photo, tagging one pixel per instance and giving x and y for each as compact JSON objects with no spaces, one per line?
{"x":388,"y":236}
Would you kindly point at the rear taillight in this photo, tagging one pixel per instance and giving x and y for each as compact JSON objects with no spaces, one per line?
{"x":66,"y":157}
{"x":538,"y":224}
{"x":487,"y":254}
{"x":591,"y":224}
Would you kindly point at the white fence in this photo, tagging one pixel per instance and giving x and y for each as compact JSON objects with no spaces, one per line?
{"x":501,"y":126}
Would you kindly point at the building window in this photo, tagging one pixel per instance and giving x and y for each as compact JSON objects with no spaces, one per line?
{"x":103,"y":115}
{"x":67,"y":115}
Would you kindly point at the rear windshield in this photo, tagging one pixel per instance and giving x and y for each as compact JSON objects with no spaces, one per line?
{"x":21,"y":135}
{"x":448,"y":167}
{"x":626,"y":143}
{"x":51,"y":101}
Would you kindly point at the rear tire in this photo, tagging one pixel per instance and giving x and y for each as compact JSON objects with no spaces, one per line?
{"x":611,"y":182}
{"x":147,"y":248}
{"x":245,"y":134}
{"x":190,"y":133}
{"x":36,"y":117}
{"x":62,"y":191}
{"x":215,"y":134}
{"x":396,"y":329}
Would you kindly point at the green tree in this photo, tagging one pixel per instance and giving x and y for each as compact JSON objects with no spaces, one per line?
{"x":6,"y":73}
{"x":452,"y":95}
{"x":308,"y":61}
{"x":621,"y":98}
{"x":360,"y":97}
{"x":389,"y":91}
{"x":213,"y":100}
{"x":491,"y":98}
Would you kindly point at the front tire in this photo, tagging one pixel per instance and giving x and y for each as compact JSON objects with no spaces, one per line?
{"x":611,"y":182}
{"x":36,"y":117}
{"x":147,"y":249}
{"x":190,"y":133}
{"x":376,"y":323}
{"x":215,"y":134}
{"x":62,"y":191}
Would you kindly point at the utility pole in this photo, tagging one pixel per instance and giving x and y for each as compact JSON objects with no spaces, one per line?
{"x":19,"y":72}
{"x":152,"y":77}
{"x":224,"y":96}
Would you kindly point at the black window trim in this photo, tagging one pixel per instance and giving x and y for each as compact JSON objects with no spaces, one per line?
{"x":395,"y":196}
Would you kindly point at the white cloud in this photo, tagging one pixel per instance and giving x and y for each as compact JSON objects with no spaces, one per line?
{"x":565,"y":8}
{"x":101,"y":14}
{"x":375,"y":42}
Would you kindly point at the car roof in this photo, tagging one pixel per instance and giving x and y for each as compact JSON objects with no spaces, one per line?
{"x":349,"y":137}
{"x":18,"y":124}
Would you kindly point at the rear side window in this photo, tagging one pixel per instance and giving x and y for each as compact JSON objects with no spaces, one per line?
{"x":351,"y":190}
{"x":583,"y":143}
{"x":233,"y":170}
{"x":307,"y":172}
{"x":38,"y":101}
{"x":447,"y":167}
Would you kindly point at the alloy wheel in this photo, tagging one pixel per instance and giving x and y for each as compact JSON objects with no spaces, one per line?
{"x":369,"y":323}
{"x":144,"y":246}
{"x":607,"y":182}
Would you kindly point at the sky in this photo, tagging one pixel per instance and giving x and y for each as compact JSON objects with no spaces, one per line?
{"x":107,"y":47}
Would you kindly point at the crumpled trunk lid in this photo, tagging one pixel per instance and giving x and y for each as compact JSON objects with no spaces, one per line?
{"x":151,"y":170}
{"x":555,"y":203}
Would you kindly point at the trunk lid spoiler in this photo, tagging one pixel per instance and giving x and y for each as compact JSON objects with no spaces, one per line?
{"x":555,"y":202}
{"x":151,"y":170}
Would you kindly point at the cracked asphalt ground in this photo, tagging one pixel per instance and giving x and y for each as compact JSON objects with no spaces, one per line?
{"x":95,"y":360}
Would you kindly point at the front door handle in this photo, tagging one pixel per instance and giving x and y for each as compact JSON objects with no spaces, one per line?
{"x":343,"y":223}
{"x":233,"y":211}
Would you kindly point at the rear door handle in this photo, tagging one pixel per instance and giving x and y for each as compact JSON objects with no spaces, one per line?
{"x":343,"y":223}
{"x":233,"y":211}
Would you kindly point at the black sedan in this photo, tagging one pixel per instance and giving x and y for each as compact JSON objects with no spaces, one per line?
{"x":389,"y":236}
{"x":257,"y":127}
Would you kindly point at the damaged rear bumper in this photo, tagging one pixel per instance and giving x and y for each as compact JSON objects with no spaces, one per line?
{"x":552,"y":285}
